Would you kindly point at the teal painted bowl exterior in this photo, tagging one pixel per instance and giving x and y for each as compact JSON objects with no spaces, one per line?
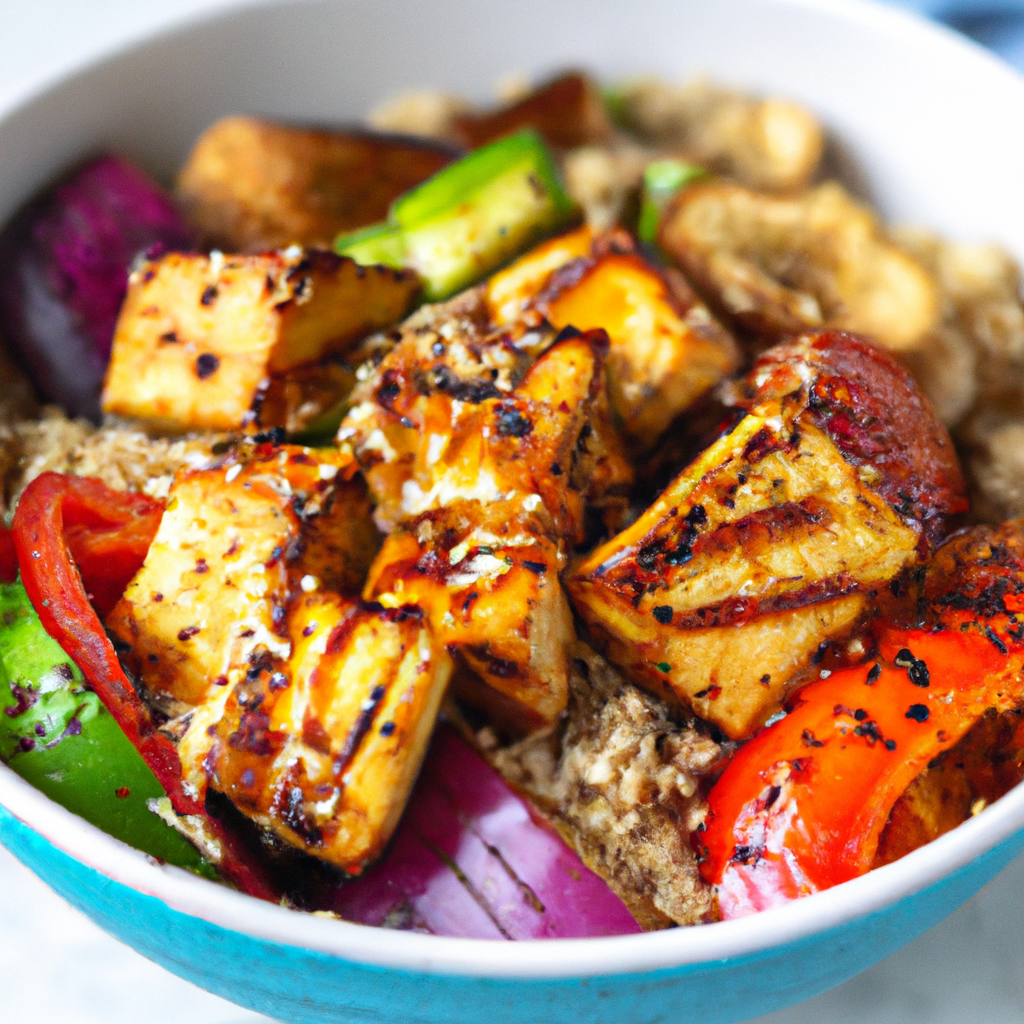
{"x":875,"y":76}
{"x":146,"y":906}
{"x":310,"y":987}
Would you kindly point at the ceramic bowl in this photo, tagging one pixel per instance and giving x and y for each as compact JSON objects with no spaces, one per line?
{"x":925,"y":124}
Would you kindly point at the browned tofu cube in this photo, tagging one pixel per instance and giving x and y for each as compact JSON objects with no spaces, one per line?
{"x":494,"y":597}
{"x":231,"y":552}
{"x":324,"y":748}
{"x":250,"y":185}
{"x":200,"y":339}
{"x":776,"y":537}
{"x":666,"y":350}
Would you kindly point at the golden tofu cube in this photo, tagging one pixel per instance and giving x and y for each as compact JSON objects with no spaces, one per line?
{"x":250,"y":185}
{"x":324,"y":750}
{"x":666,"y":350}
{"x":699,"y":598}
{"x":201,"y":338}
{"x":235,"y":545}
{"x":492,"y":594}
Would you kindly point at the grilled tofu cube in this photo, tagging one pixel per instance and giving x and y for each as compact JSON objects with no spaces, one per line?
{"x":456,"y":412}
{"x":201,"y":338}
{"x":666,"y":350}
{"x":773,"y":540}
{"x":250,"y":185}
{"x":324,"y":748}
{"x":234,"y":546}
{"x":776,"y":266}
{"x":490,"y":497}
{"x":492,"y":595}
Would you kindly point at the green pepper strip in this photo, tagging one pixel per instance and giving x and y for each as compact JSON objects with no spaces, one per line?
{"x":53,"y":505}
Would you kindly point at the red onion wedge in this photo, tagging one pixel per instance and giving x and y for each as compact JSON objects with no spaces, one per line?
{"x":470,"y":858}
{"x":64,"y":262}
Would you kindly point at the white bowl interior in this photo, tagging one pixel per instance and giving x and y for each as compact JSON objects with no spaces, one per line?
{"x":934,"y":124}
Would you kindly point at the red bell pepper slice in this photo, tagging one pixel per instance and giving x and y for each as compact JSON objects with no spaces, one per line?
{"x":62,"y":520}
{"x":801,"y":807}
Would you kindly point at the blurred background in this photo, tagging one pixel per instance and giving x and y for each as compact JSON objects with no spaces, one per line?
{"x":60,"y":969}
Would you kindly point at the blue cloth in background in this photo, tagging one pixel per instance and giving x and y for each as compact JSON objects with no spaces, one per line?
{"x":997,"y":24}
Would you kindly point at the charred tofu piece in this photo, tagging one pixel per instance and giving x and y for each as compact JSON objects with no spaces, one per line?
{"x":251,"y":185}
{"x":201,"y":339}
{"x":235,"y":545}
{"x":620,"y":777}
{"x":494,"y":597}
{"x":420,"y":421}
{"x":777,"y":266}
{"x":323,"y":747}
{"x":774,"y":541}
{"x":491,"y":503}
{"x":666,"y":350}
{"x":568,"y":111}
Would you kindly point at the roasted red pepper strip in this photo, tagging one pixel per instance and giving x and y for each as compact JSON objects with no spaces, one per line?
{"x":60,"y":518}
{"x":801,"y":807}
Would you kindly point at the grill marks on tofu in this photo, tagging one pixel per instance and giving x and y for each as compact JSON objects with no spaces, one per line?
{"x":621,"y":777}
{"x":231,"y":551}
{"x":310,"y":710}
{"x":202,"y":339}
{"x":776,"y":538}
{"x":324,"y":749}
{"x":666,"y":350}
{"x":494,"y":500}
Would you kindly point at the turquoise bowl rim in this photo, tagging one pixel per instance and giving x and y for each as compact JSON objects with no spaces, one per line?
{"x":526,"y":960}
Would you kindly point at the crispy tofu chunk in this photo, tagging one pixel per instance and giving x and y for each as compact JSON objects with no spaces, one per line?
{"x":666,"y":350}
{"x":200,"y":339}
{"x":420,"y":423}
{"x":773,"y":540}
{"x":250,"y":185}
{"x":323,"y":748}
{"x":778,"y":266}
{"x":494,"y":597}
{"x":234,"y":546}
{"x":492,"y":497}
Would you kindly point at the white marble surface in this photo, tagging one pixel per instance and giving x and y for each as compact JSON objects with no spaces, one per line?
{"x":60,"y":969}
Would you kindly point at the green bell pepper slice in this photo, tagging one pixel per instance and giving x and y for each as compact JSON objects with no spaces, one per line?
{"x":470,"y":218}
{"x":57,"y":735}
{"x":663,"y":180}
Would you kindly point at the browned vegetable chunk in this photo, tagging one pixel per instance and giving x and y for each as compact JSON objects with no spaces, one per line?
{"x":200,"y":339}
{"x":774,"y":539}
{"x":251,"y":185}
{"x":567,"y":111}
{"x":778,"y":266}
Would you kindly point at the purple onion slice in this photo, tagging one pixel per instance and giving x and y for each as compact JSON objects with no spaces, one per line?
{"x":64,"y":263}
{"x":470,"y":858}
